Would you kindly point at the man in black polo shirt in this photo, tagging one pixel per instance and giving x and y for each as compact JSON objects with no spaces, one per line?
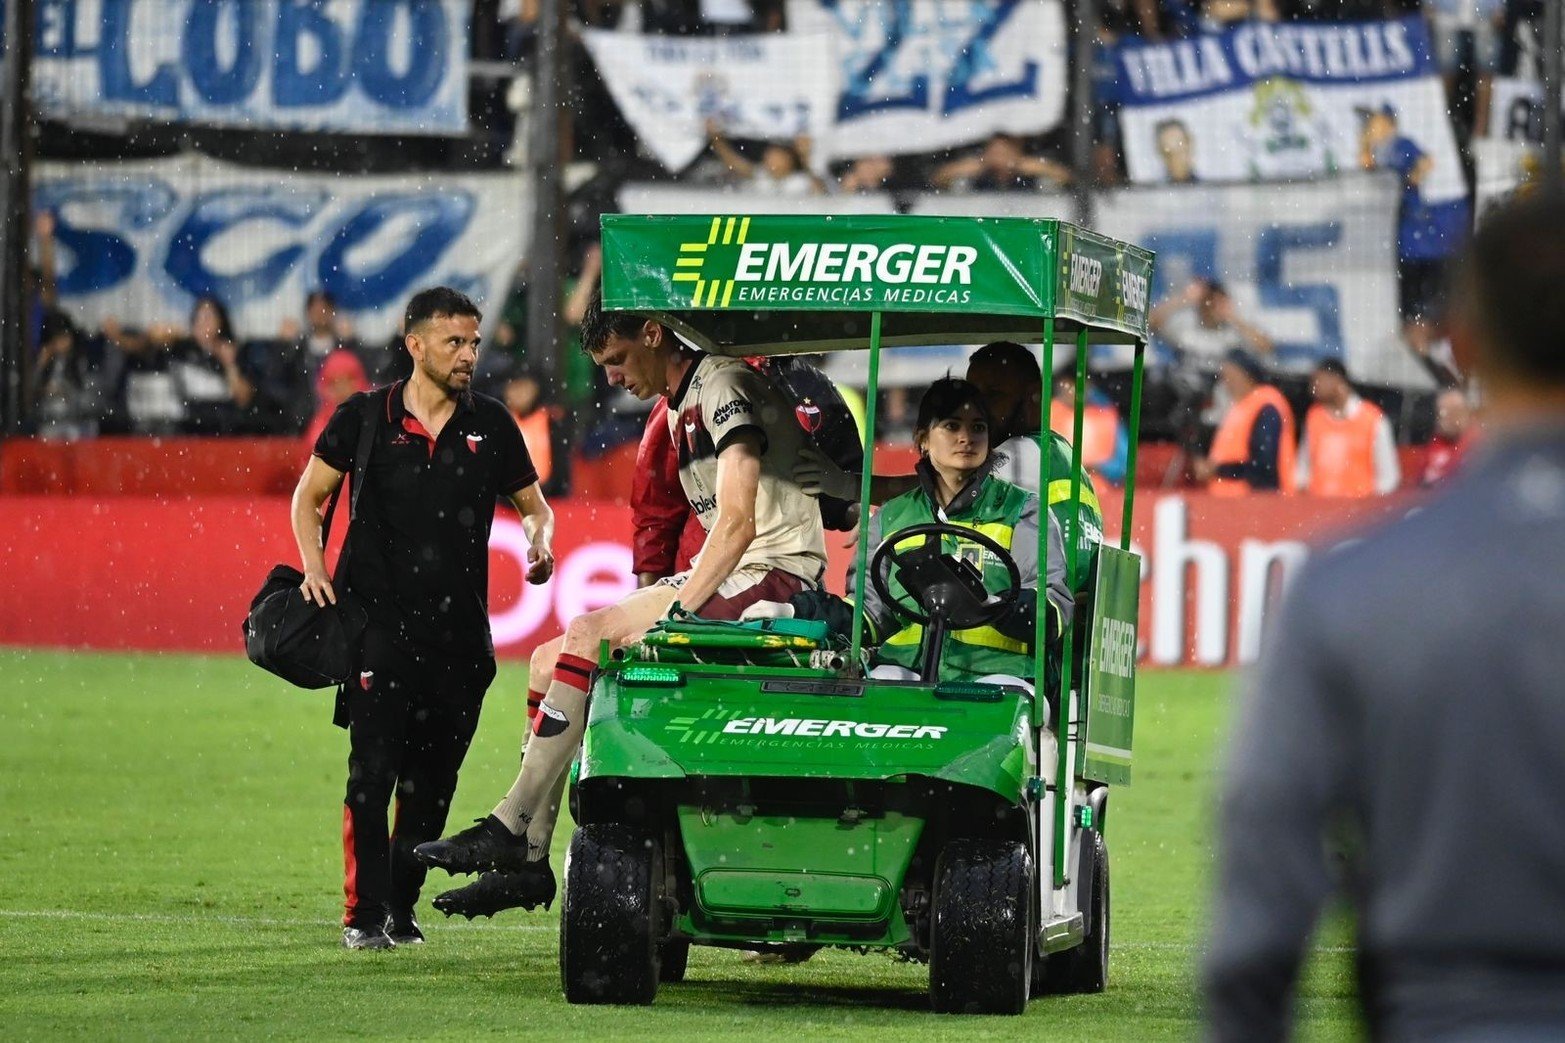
{"x":419,"y":562}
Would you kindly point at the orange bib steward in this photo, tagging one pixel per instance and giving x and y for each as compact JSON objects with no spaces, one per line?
{"x":1241,"y":466}
{"x":1342,"y":450}
{"x":1099,"y":431}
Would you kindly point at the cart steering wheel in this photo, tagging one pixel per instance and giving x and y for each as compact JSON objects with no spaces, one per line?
{"x":941,"y":585}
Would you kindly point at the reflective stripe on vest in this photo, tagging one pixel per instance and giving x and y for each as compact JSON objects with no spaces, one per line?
{"x":1342,"y":450}
{"x":1231,"y":444}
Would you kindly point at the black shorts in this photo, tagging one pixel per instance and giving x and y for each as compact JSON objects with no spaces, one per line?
{"x":1420,"y":290}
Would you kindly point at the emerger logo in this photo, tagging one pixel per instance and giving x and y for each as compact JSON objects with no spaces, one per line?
{"x":801,"y":727}
{"x":818,"y":272}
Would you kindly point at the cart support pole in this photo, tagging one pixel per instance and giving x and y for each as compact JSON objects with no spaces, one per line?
{"x":861,"y":566}
{"x":1135,"y":442}
{"x":1062,"y":744}
{"x":1040,"y":642}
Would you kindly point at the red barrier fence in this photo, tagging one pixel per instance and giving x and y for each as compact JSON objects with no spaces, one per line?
{"x":178,"y":574}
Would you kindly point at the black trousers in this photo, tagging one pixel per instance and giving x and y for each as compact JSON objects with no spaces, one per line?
{"x":411,"y":717}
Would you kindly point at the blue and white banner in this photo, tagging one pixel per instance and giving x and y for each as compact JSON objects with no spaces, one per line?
{"x":1312,"y":264}
{"x":139,"y":241}
{"x":921,"y":75}
{"x":359,"y":66}
{"x":1274,"y":101}
{"x":765,"y":86}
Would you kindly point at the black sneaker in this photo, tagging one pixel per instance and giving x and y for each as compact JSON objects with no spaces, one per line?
{"x":366,"y":938}
{"x":485,"y":845}
{"x":403,"y":929}
{"x":526,"y":888}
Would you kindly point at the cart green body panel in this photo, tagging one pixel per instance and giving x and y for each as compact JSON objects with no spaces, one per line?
{"x":1111,"y":667}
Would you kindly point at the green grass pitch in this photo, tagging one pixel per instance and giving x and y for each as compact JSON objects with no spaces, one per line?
{"x":172,"y":870}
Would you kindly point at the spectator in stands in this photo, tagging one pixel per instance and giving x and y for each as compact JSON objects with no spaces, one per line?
{"x":341,"y":376}
{"x":1455,"y":430}
{"x":1105,"y":441}
{"x":1467,"y":44}
{"x":782,"y":171}
{"x":64,"y":395}
{"x":1253,"y":450}
{"x":1177,"y":151}
{"x":152,"y":401}
{"x":522,"y":394}
{"x":1424,"y":246}
{"x":1201,"y":324}
{"x":873,"y":173}
{"x":1001,"y":165}
{"x":289,"y":386}
{"x":39,"y":288}
{"x":1348,"y":448}
{"x":215,"y":392}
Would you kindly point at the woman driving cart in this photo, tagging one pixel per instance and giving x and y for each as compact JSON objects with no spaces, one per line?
{"x":990,"y":544}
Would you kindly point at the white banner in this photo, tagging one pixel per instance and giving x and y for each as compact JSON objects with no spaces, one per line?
{"x":921,"y":75}
{"x":366,"y":66}
{"x":766,"y":86}
{"x":139,"y":241}
{"x":659,"y":198}
{"x":1274,"y":101}
{"x":1313,"y":264}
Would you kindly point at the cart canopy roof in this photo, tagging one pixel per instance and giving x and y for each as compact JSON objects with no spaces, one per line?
{"x":770,"y":284}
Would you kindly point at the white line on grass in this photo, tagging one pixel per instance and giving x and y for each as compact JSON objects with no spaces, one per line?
{"x":243,"y":921}
{"x":258,"y":921}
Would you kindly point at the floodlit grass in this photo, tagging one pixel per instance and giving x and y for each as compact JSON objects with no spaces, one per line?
{"x":172,"y":866}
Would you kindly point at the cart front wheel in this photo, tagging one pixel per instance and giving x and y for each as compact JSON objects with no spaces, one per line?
{"x":981,"y":940}
{"x":608,"y":928}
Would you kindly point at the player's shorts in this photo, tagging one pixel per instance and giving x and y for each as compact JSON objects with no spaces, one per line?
{"x":1420,"y":289}
{"x":745,"y":586}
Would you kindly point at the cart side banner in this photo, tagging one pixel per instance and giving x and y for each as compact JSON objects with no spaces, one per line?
{"x":358,"y":66}
{"x":922,"y":75}
{"x":1111,"y":667}
{"x":140,"y":241}
{"x":775,"y":262}
{"x":1102,"y":282}
{"x":1276,"y":101}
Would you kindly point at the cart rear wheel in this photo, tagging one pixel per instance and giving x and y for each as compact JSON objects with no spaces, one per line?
{"x":1086,"y":967}
{"x":608,"y":928}
{"x":981,"y":940}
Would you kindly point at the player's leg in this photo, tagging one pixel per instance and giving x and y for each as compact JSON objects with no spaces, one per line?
{"x":444,"y":718}
{"x":508,"y":839}
{"x":378,"y":711}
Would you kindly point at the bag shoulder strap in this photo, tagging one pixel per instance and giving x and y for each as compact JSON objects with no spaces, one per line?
{"x":361,"y":459}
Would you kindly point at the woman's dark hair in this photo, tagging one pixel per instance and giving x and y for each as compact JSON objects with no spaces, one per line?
{"x":225,"y":327}
{"x":945,"y":398}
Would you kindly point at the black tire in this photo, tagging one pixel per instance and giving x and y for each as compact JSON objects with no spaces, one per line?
{"x":1086,"y":967}
{"x":673,"y":958}
{"x":981,"y":938}
{"x":608,"y":920}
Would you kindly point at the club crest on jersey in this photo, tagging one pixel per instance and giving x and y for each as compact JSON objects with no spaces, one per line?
{"x":549,"y":722}
{"x":366,"y":679}
{"x":472,"y":442}
{"x":809,"y":415}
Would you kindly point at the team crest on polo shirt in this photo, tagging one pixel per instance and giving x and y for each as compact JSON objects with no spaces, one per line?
{"x":366,"y":679}
{"x":808,"y":415}
{"x":472,"y":442}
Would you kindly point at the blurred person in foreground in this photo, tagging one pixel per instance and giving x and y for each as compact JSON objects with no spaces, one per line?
{"x":1422,"y":725}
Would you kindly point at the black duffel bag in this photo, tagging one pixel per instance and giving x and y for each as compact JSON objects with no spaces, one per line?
{"x":303,"y":643}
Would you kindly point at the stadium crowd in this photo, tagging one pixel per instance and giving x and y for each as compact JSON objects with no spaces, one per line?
{"x":205,"y":377}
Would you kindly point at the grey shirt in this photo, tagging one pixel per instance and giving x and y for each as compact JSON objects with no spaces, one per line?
{"x":1411,"y":700}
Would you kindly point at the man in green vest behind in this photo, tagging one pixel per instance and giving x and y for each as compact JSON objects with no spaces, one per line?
{"x":1011,"y":382}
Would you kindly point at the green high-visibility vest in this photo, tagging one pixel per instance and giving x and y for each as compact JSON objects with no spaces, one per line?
{"x":1004,"y":513}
